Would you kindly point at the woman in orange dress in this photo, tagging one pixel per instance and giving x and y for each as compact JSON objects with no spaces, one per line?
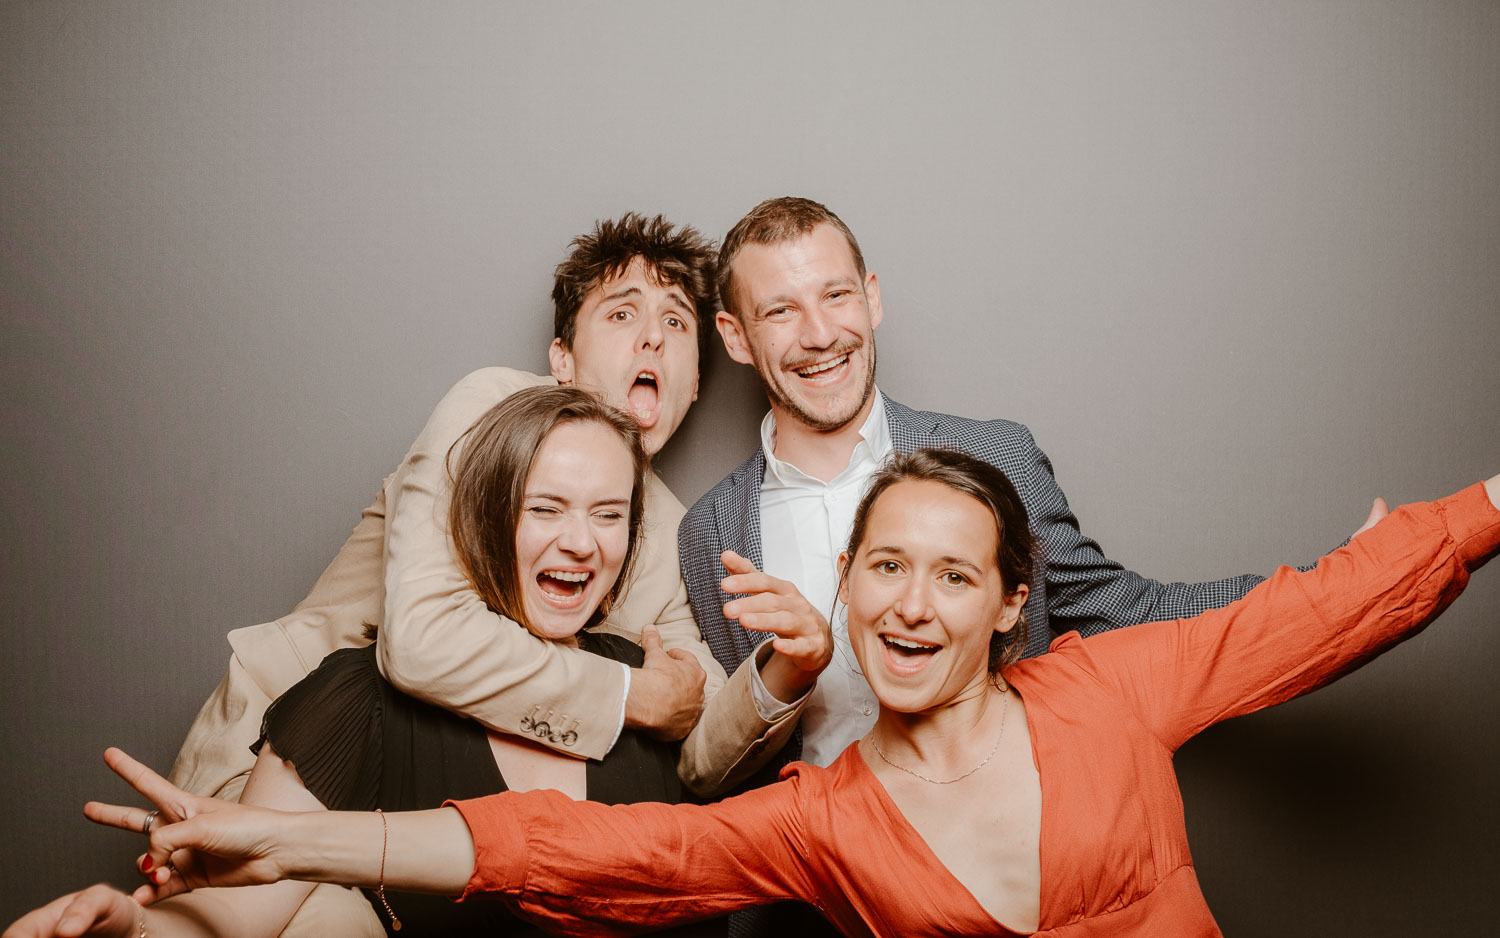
{"x":991,"y":797}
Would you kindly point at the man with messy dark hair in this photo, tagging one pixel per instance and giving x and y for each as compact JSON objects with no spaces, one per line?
{"x":633,"y":303}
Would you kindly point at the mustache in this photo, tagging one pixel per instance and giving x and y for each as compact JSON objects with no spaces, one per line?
{"x":836,"y":351}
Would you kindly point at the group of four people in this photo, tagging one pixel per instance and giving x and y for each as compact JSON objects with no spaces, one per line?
{"x":523,"y":534}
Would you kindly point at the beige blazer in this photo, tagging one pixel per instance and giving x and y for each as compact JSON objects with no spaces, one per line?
{"x":437,"y":639}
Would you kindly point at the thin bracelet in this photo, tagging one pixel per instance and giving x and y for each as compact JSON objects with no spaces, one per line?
{"x":379,"y":889}
{"x":140,"y":917}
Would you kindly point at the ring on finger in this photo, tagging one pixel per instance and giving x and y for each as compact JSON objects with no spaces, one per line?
{"x":150,"y":820}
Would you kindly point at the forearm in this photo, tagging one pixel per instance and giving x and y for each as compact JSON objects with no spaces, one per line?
{"x":421,"y":851}
{"x":735,"y":737}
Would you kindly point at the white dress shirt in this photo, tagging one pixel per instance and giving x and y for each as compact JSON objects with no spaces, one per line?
{"x":804,"y":523}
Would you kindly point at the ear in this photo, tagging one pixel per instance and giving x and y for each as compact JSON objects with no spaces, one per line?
{"x":560,"y":357}
{"x":732,"y":331}
{"x":696,"y":376}
{"x":1012,"y":612}
{"x":844,"y":577}
{"x":872,"y":299}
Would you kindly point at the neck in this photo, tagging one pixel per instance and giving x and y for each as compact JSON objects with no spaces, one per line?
{"x":946,"y":740}
{"x":821,"y":454}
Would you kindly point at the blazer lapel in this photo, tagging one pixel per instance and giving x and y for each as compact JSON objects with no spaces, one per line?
{"x":737,"y":516}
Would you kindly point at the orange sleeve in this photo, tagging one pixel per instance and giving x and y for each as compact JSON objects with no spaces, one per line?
{"x":583,"y":868}
{"x":1298,"y":631}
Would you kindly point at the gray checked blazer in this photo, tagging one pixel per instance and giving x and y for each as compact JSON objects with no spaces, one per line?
{"x":1075,"y":587}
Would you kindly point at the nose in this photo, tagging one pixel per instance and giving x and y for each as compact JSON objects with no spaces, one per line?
{"x":913,"y":605}
{"x":818,"y":329}
{"x":651,"y":335}
{"x":576,"y":538}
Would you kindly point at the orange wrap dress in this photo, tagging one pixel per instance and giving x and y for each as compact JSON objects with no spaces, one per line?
{"x":1106,"y":715}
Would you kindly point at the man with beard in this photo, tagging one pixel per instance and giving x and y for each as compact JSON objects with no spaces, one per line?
{"x":799,"y":305}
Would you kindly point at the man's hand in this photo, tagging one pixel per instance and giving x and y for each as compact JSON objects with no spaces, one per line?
{"x":803,"y":642}
{"x":666,"y":692}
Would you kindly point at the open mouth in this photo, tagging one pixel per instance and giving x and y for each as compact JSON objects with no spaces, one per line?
{"x":908,"y":647}
{"x":824,"y":371}
{"x":563,"y":587}
{"x":645,"y":398}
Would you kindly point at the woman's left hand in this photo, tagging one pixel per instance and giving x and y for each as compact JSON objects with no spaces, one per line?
{"x":195,"y":841}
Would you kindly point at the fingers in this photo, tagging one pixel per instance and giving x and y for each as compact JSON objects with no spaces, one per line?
{"x":99,"y":910}
{"x":162,"y":793}
{"x":43,"y":921}
{"x":116,"y":815}
{"x":1378,"y":510}
{"x":734,"y":563}
{"x":686,"y":657}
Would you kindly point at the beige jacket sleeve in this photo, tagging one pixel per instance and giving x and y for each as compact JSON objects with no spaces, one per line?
{"x":732,"y":740}
{"x":440,"y":643}
{"x":215,"y":759}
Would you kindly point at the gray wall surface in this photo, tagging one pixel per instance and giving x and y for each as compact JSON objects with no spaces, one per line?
{"x":1237,"y":265}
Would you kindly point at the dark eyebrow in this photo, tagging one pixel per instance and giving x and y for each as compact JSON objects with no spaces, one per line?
{"x":563,"y":499}
{"x":948,"y":559}
{"x":960,"y":562}
{"x":621,"y":294}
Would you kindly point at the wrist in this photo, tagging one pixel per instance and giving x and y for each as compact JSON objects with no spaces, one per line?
{"x":785,"y":678}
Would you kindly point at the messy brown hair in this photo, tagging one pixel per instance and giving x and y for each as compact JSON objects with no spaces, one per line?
{"x":676,"y":256}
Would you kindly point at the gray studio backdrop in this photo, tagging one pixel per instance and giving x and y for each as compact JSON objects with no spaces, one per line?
{"x":1235,"y":264}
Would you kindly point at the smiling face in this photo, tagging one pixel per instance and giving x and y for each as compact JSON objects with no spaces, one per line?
{"x":574,"y":528}
{"x":805,"y":318}
{"x":925,"y":595}
{"x":635,"y":344}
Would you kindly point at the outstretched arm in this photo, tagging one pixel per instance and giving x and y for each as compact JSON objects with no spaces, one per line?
{"x":1303,"y":629}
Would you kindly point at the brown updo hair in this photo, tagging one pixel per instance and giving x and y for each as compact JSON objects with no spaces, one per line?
{"x":489,"y":466}
{"x":990,"y":487}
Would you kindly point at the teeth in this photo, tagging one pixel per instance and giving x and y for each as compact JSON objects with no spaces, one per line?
{"x":646,"y":376}
{"x":567,"y":577}
{"x":908,"y":643}
{"x":815,"y":369}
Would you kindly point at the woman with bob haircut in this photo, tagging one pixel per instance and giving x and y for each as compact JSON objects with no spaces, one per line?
{"x":544,"y":519}
{"x":992,"y":796}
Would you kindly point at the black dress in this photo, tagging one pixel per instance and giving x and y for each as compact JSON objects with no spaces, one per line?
{"x":359,"y":744}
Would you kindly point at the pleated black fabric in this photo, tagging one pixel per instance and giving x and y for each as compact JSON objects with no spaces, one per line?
{"x":358,"y":743}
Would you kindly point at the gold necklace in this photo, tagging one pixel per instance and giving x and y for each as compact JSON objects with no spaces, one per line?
{"x":1004,"y":709}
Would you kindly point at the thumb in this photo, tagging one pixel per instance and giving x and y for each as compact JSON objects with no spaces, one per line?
{"x":1379,"y":509}
{"x":651,"y":644}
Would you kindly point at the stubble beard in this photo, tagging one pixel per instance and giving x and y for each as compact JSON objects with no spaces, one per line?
{"x":823,"y":423}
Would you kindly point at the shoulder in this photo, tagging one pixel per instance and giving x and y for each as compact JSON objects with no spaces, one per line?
{"x":469,"y":399}
{"x":346,"y":679}
{"x":731,"y":490}
{"x":978,"y":437}
{"x":662,"y":507}
{"x":486,"y":387}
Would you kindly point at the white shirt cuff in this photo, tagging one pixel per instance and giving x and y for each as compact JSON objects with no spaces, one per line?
{"x":624,"y":699}
{"x":768,"y":706}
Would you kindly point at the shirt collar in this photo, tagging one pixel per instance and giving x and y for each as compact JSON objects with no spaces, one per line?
{"x":874,"y":446}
